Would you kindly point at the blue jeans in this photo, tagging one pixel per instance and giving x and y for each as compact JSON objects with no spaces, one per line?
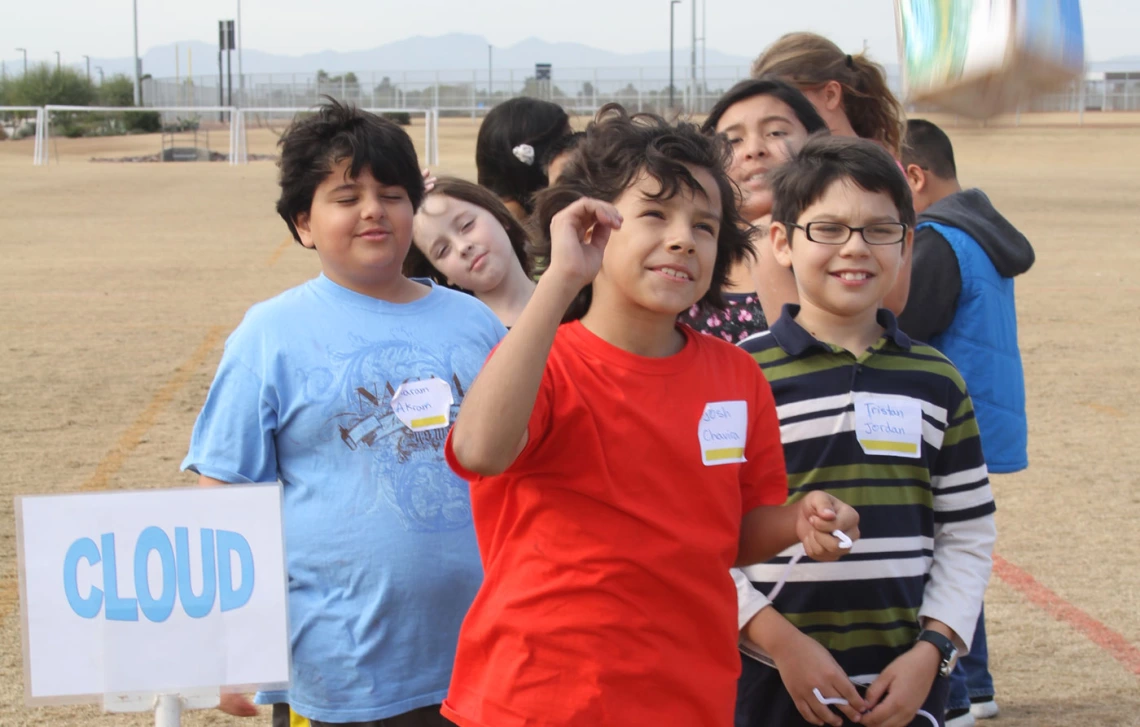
{"x":971,"y":678}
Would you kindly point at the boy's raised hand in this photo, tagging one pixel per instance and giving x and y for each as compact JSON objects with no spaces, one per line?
{"x":821,"y":515}
{"x":578,"y":237}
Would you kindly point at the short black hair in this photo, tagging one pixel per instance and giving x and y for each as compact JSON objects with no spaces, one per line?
{"x":824,"y":160}
{"x":565,"y":143}
{"x":927,"y":146}
{"x":316,"y":142}
{"x":515,"y":122}
{"x":617,"y":150}
{"x":417,"y":265}
{"x":774,"y":87}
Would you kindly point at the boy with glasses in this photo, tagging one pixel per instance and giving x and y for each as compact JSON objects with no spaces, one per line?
{"x":884,"y":423}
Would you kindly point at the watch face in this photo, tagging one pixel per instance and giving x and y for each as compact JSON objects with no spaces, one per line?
{"x":950,"y":663}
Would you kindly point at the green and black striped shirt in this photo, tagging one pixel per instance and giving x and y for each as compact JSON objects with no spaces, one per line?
{"x":892,"y":433}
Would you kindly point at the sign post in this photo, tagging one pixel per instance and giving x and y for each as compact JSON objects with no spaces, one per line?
{"x":153,"y":600}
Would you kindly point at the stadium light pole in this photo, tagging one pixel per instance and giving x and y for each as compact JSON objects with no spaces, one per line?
{"x":25,"y":52}
{"x":138,"y":81}
{"x":88,"y":59}
{"x":57,"y":64}
{"x":241,"y":76}
{"x":100,"y":69}
{"x":693,"y":64}
{"x":672,"y":4}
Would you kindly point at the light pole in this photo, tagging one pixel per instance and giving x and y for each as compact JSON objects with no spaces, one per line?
{"x":693,"y":64}
{"x":100,"y":69}
{"x":25,"y":52}
{"x":241,"y":76}
{"x":56,"y":61}
{"x":490,"y":75}
{"x":88,"y":59}
{"x":672,"y":4}
{"x":138,"y":81}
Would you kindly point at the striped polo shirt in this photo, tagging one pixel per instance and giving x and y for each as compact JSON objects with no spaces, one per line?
{"x":892,"y":433}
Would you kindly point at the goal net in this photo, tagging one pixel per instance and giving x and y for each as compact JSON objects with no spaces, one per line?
{"x":262,"y":129}
{"x":140,"y":134}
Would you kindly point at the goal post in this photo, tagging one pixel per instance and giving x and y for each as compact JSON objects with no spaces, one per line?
{"x":276,"y":119}
{"x":20,"y":112}
{"x":109,"y":115}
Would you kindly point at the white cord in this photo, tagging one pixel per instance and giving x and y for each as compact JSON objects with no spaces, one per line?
{"x":841,"y":701}
{"x":844,"y":544}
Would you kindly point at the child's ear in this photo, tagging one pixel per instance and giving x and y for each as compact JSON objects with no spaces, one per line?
{"x":781,"y":245}
{"x":832,"y":95}
{"x":916,"y":178}
{"x":301,"y":222}
{"x":908,"y":244}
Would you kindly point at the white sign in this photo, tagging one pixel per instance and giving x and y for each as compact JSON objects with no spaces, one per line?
{"x":888,"y":424}
{"x":157,"y":591}
{"x":723,"y":432}
{"x":423,"y":405}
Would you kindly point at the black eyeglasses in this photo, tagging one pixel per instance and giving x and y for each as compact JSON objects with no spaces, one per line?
{"x":837,"y":233}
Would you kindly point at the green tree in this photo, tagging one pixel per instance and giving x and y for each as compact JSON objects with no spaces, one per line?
{"x":118,"y":90}
{"x":43,"y":85}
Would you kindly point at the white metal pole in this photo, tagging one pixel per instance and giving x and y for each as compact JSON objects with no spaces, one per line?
{"x":168,"y":711}
{"x":138,"y":81}
{"x":704,"y":47}
{"x":693,"y":63}
{"x":241,"y":76}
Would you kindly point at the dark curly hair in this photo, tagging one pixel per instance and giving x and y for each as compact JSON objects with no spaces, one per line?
{"x":416,"y":264}
{"x":315,"y":143}
{"x":617,"y":149}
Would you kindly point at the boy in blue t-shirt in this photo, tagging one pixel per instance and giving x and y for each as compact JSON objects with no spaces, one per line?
{"x":343,"y":389}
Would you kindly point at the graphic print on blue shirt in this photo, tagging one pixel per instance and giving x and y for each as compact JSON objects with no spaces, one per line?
{"x":410,"y":482}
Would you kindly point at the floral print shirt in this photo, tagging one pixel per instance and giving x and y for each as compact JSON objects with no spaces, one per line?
{"x":742,"y":318}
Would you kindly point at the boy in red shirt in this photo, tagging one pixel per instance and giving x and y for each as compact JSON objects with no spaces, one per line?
{"x":620,"y":464}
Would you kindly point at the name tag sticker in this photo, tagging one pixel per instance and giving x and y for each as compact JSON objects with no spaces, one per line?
{"x":423,"y":405}
{"x":723,"y":431}
{"x":888,"y":425}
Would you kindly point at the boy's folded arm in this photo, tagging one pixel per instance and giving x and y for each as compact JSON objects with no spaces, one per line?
{"x":959,"y":576}
{"x":491,"y":428}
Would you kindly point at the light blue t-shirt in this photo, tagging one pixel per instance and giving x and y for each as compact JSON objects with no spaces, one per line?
{"x":382,"y":558}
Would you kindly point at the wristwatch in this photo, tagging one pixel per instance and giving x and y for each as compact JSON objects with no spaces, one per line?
{"x":945,"y":647}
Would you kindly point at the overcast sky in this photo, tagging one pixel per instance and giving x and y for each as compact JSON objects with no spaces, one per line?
{"x":102,"y":28}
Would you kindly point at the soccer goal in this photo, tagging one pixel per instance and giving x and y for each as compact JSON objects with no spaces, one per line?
{"x":261,"y":129}
{"x":15,"y":124}
{"x":140,"y":134}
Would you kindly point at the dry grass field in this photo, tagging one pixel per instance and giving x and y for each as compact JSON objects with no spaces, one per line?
{"x":119,"y":283}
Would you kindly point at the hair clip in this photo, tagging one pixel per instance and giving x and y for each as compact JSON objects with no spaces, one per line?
{"x":524,"y":153}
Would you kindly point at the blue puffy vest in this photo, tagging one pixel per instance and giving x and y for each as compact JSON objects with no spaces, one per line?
{"x":981,"y":342}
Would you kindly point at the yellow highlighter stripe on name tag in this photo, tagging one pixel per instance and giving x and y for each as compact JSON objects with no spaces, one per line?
{"x":904,"y":447}
{"x":429,"y":421}
{"x":717,"y":454}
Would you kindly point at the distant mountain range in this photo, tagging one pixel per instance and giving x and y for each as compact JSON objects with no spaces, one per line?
{"x":452,"y":52}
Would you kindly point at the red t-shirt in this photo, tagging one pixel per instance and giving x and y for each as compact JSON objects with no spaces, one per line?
{"x":607,"y":544}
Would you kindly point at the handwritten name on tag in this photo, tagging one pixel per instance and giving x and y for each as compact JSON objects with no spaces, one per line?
{"x":723,"y":432}
{"x":888,"y":425}
{"x":423,"y":405}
